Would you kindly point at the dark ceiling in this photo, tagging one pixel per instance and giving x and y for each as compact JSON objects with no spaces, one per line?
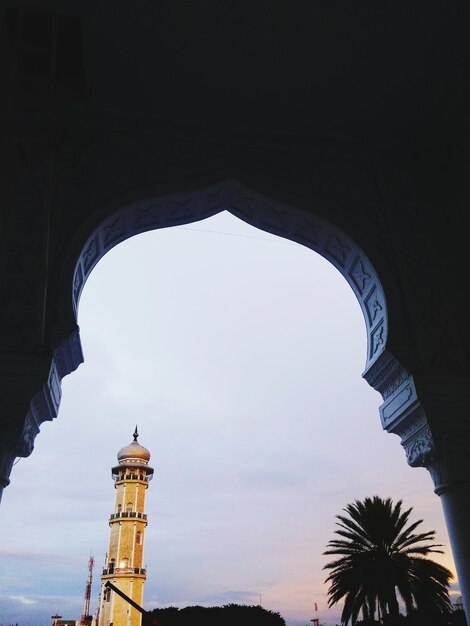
{"x":354,"y":71}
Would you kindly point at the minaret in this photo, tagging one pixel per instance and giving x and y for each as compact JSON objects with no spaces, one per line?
{"x":124,"y":567}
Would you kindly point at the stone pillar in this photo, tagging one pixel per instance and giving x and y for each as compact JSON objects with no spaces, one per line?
{"x":449,"y":466}
{"x":456,"y":505}
{"x":432,"y":416}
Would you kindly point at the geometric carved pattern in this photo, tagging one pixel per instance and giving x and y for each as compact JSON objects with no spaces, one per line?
{"x":401,"y":412}
{"x":267,"y":214}
{"x":382,"y":371}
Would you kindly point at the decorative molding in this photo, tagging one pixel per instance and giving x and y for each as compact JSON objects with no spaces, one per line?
{"x":397,"y":404}
{"x":44,"y":406}
{"x":419,"y":448}
{"x":68,"y":355}
{"x":441,"y":445}
{"x":403,"y":415}
{"x":30,"y":430}
{"x":401,"y":412}
{"x":8,"y":454}
{"x":265,"y":213}
{"x":385,"y":374}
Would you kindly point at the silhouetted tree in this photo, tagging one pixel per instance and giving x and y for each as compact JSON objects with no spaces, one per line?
{"x":380,"y":556}
{"x":423,"y":618}
{"x":227,"y":615}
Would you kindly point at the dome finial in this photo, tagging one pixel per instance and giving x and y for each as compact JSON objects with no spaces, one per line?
{"x":133,"y":451}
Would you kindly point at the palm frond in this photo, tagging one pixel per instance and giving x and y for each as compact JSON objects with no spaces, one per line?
{"x":381,"y":555}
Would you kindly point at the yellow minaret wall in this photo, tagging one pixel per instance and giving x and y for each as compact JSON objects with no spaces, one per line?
{"x":124,"y":567}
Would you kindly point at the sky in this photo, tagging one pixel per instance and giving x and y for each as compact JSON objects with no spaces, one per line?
{"x":239,"y":356}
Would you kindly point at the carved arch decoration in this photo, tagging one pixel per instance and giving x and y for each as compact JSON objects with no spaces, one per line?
{"x":275,"y":217}
{"x":382,"y":370}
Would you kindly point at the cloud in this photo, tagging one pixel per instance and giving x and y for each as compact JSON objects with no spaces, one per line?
{"x":23,"y":600}
{"x":37,"y":609}
{"x":40,"y":557}
{"x":51,"y":559}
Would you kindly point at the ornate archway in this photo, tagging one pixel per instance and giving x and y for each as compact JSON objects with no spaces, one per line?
{"x":382,"y":370}
{"x":401,"y":413}
{"x":264,"y":213}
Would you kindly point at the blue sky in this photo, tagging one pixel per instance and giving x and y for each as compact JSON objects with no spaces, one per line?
{"x":239,"y":355}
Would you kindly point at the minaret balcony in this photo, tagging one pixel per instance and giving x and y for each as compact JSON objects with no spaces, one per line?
{"x":122,"y":477}
{"x":115,"y":571}
{"x":133,"y":514}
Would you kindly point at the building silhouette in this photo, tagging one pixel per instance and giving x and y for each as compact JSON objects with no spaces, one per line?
{"x":124,"y":567}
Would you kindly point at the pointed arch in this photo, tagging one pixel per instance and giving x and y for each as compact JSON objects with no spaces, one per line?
{"x":260,"y":211}
{"x":382,"y":371}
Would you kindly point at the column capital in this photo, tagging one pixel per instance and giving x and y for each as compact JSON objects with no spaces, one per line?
{"x":447,"y":405}
{"x":431,"y":415}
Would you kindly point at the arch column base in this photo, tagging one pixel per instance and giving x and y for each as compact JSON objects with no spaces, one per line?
{"x":456,"y":506}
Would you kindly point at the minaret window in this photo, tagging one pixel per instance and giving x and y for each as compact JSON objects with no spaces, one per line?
{"x":119,"y":508}
{"x":138,"y":537}
{"x":129,"y":507}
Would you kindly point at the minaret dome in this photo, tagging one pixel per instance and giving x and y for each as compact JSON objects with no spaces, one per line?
{"x":133,"y":452}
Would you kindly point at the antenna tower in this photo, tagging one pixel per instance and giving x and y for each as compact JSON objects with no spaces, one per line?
{"x":315,"y":620}
{"x":85,"y":620}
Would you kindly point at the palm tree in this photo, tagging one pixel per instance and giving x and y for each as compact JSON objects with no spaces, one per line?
{"x":381,"y":559}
